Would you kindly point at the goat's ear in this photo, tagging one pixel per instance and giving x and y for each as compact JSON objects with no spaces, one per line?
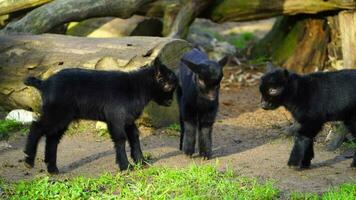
{"x":286,"y":73}
{"x":158,"y":66}
{"x":222,"y":62}
{"x":194,"y":67}
{"x":269,"y":67}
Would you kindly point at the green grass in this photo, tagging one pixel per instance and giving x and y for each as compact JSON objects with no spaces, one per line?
{"x":345,"y":191}
{"x":195,"y":182}
{"x":240,"y":41}
{"x":174,"y":127}
{"x":9,"y":126}
{"x":350,"y":145}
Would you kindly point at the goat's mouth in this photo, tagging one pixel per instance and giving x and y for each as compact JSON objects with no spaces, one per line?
{"x":268,"y":106}
{"x":167,"y":102}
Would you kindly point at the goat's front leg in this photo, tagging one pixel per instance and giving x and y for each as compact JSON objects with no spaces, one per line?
{"x":303,"y":152}
{"x":205,"y":140}
{"x":133,"y":136}
{"x":119,"y":137}
{"x":189,"y":137}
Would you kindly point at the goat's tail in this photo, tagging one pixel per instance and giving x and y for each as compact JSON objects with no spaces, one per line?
{"x":34,"y":82}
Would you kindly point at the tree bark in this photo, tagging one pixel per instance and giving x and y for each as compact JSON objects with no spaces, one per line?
{"x":243,"y":10}
{"x":58,"y":12}
{"x":44,"y":55}
{"x":185,"y":17}
{"x":298,"y":43}
{"x":48,"y":16}
{"x":9,"y":6}
{"x":347,"y":21}
{"x":109,"y":27}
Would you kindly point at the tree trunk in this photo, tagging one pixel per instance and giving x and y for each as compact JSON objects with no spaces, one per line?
{"x":298,"y":43}
{"x":9,"y":6}
{"x":243,"y":10}
{"x":347,"y":21}
{"x":44,"y":55}
{"x":58,"y":12}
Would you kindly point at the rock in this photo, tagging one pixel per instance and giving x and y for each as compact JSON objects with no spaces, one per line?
{"x":101,"y":126}
{"x":207,"y":42}
{"x":336,"y":136}
{"x":22,"y":116}
{"x":5,"y":145}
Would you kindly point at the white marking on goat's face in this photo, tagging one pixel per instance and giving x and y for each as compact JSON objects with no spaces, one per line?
{"x":275,"y":91}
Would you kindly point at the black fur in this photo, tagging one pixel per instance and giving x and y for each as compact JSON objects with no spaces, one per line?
{"x":116,"y":98}
{"x":313,"y":100}
{"x":198,"y":100}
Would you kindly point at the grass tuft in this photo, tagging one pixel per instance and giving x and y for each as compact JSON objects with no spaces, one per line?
{"x":9,"y":126}
{"x":174,"y":127}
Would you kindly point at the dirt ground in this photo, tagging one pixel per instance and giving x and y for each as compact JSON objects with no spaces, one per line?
{"x":246,"y":138}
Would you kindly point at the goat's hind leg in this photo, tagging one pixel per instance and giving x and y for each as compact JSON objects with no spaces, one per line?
{"x":351,"y":125}
{"x":33,"y":138}
{"x":52,"y":141}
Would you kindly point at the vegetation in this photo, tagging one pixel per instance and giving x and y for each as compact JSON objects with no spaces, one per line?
{"x":345,"y":191}
{"x":174,"y":127}
{"x":195,"y":182}
{"x":9,"y":126}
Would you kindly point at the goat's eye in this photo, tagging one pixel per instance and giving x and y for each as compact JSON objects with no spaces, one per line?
{"x":167,"y":87}
{"x":201,"y":82}
{"x":275,"y":91}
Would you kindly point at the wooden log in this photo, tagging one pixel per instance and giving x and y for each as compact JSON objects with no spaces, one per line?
{"x":347,"y":22}
{"x":44,"y":55}
{"x":109,"y":27}
{"x":9,"y":6}
{"x":58,"y":12}
{"x":243,"y":10}
{"x":185,"y":17}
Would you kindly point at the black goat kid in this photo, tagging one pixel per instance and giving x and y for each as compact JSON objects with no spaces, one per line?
{"x":312,"y":99}
{"x":198,"y":99}
{"x":117,"y":98}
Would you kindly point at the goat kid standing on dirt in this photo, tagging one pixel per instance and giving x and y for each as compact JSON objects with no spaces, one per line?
{"x":312,"y":99}
{"x":117,"y":98}
{"x":198,"y":100}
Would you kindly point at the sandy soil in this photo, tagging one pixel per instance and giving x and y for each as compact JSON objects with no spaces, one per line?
{"x":246,"y":138}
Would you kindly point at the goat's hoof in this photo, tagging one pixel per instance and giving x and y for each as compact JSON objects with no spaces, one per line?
{"x":52,"y":170}
{"x":293,"y":163}
{"x":205,"y":155}
{"x":188,"y":152}
{"x":127,"y":167}
{"x":29,"y":162}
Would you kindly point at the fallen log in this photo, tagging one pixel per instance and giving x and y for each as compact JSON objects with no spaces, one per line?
{"x":9,"y":6}
{"x":243,"y":10}
{"x":58,"y":12}
{"x":55,"y":13}
{"x":44,"y":55}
